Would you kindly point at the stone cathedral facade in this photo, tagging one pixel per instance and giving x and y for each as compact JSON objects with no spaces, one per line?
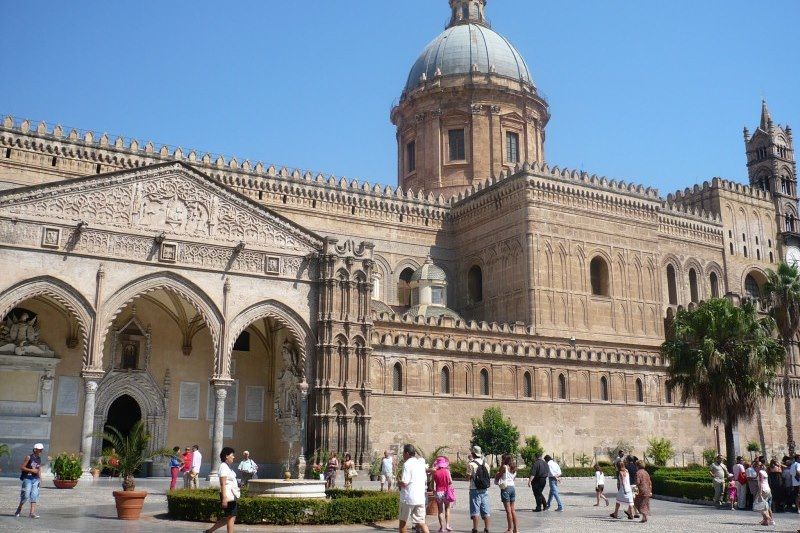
{"x":225,"y":301}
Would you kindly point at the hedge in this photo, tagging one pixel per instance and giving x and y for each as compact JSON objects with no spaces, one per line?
{"x":683,"y":489}
{"x":341,"y":507}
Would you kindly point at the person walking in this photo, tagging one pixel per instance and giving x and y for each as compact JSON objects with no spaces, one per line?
{"x":774,"y":472}
{"x":30,"y":475}
{"x":330,"y":471}
{"x":479,"y":482}
{"x":504,"y":478}
{"x":539,"y":474}
{"x":762,"y":500}
{"x":228,"y":491}
{"x":644,"y":491}
{"x":349,"y":469}
{"x":719,"y":475}
{"x":175,"y":464}
{"x":187,"y":467}
{"x":786,"y":482}
{"x":248,"y":469}
{"x":599,"y":485}
{"x":412,"y":483}
{"x":740,"y":478}
{"x":387,"y":470}
{"x":443,"y":489}
{"x":752,"y":482}
{"x":553,"y":478}
{"x":194,"y":473}
{"x":624,"y":493}
{"x":795,"y":470}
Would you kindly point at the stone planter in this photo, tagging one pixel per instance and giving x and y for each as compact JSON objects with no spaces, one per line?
{"x":65,"y":483}
{"x":129,"y":503}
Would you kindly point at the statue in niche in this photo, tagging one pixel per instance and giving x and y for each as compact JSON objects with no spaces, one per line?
{"x":130,"y":356}
{"x":19,"y":334}
{"x":286,"y":391}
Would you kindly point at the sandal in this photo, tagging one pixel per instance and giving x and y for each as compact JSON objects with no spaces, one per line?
{"x":612,"y":515}
{"x":629,"y":515}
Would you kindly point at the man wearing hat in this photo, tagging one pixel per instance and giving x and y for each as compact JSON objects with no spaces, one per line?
{"x":30,"y":477}
{"x":479,"y":483}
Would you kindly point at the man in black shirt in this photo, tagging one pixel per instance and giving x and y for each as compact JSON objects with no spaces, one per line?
{"x":539,"y":473}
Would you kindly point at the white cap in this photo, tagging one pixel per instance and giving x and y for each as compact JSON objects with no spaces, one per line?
{"x":38,"y":446}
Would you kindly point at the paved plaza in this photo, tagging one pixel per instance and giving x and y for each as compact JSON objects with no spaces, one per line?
{"x":90,"y":507}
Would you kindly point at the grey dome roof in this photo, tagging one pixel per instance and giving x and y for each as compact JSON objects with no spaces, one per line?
{"x":429,"y":311}
{"x":429,"y":272}
{"x":459,"y":47}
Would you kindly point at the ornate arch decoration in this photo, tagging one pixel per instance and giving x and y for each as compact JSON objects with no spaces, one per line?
{"x":287,"y":317}
{"x":167,"y":281}
{"x":403,"y":264}
{"x":61,"y":292}
{"x":760,"y":276}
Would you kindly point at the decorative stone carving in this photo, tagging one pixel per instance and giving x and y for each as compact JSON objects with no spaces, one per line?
{"x":287,"y":394}
{"x":19,"y":335}
{"x":132,"y":347}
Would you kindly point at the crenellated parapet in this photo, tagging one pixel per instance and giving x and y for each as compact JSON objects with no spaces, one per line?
{"x":691,"y":195}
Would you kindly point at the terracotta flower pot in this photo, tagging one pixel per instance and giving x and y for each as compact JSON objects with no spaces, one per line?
{"x":432,"y":509}
{"x":95,"y":472}
{"x":65,"y":483}
{"x":129,"y":503}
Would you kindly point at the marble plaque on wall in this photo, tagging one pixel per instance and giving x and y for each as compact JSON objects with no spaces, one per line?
{"x":68,"y":395}
{"x":231,"y":403}
{"x":227,"y":431}
{"x":189,"y":401}
{"x":19,"y":386}
{"x":254,"y":404}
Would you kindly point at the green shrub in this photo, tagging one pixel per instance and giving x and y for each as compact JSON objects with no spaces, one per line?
{"x":67,"y":466}
{"x":659,"y":450}
{"x":341,"y":507}
{"x":709,"y":454}
{"x":683,"y":489}
{"x":532,"y":448}
{"x":458,"y":469}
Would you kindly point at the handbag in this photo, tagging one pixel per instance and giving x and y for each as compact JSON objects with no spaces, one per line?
{"x":760,"y":505}
{"x":450,"y":494}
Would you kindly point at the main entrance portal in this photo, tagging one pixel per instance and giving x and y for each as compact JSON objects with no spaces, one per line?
{"x":122,"y":415}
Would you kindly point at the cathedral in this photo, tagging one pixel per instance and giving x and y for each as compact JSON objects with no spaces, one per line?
{"x":228,"y":302}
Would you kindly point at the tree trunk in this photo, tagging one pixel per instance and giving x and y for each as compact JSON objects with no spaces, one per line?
{"x":730,"y":453}
{"x":787,"y":398}
{"x":761,"y":441}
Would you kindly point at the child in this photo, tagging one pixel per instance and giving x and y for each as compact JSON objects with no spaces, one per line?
{"x":732,"y":491}
{"x":599,"y":484}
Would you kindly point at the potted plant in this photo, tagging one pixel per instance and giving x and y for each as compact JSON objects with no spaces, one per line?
{"x":5,"y":451}
{"x":67,"y":470}
{"x":130,"y":452}
{"x":375,"y":468}
{"x":317,"y":469}
{"x":97,"y":467}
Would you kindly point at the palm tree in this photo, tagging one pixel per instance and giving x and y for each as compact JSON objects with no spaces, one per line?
{"x":131,"y":451}
{"x":783,"y":291}
{"x":724,"y":358}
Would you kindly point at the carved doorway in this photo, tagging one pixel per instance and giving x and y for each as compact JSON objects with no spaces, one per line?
{"x":122,"y":415}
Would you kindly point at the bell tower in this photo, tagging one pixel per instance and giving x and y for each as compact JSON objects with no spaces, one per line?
{"x":467,"y":11}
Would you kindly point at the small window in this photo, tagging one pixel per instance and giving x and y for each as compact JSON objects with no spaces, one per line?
{"x":672,"y":287}
{"x":751,"y":287}
{"x":693,"y":292}
{"x":404,"y":288}
{"x":475,"y":284}
{"x":668,"y":394}
{"x":713,"y":281}
{"x":444,"y":384}
{"x":744,"y":250}
{"x":562,"y":387}
{"x":437,"y":295}
{"x":484,"y":382}
{"x":397,"y":377}
{"x":731,"y":248}
{"x":411,"y":156}
{"x":456,"y":142}
{"x":598,"y":274}
{"x":527,"y":386}
{"x":769,"y":243}
{"x":242,"y":343}
{"x":758,"y":254}
{"x":771,"y":258}
{"x":639,"y":391}
{"x":604,"y":389}
{"x":512,"y":147}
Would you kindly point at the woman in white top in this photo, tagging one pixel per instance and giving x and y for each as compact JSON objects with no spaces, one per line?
{"x":228,"y":491}
{"x":624,"y":494}
{"x":763,"y":499}
{"x":599,"y":485}
{"x":508,"y":494}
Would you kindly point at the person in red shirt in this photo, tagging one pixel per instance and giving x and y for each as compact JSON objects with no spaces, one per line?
{"x":187,"y":467}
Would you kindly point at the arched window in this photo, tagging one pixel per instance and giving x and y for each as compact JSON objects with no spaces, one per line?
{"x":484,"y":382}
{"x":445,"y":381}
{"x":639,"y":391}
{"x":668,"y":394}
{"x":562,"y":387}
{"x":598,"y":274}
{"x":672,"y":288}
{"x":758,"y":254}
{"x":397,"y":377}
{"x":604,"y":389}
{"x":751,"y":287}
{"x":403,"y":287}
{"x":527,"y":385}
{"x":731,"y":245}
{"x":771,"y":259}
{"x":475,"y":284}
{"x":693,"y":285}
{"x":713,"y":281}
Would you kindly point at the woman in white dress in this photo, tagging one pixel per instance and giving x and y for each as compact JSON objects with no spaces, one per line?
{"x":229,"y":493}
{"x":624,"y":492}
{"x":763,"y":499}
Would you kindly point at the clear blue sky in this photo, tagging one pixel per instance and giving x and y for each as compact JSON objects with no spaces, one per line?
{"x":653,"y":92}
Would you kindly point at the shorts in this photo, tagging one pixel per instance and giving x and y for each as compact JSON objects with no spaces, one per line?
{"x":599,"y":488}
{"x":30,"y":490}
{"x":231,"y":509}
{"x":412,"y":513}
{"x":508,"y":495}
{"x":479,"y":503}
{"x":386,"y":479}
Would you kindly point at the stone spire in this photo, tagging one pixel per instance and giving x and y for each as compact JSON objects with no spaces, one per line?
{"x":467,"y":11}
{"x":766,"y":119}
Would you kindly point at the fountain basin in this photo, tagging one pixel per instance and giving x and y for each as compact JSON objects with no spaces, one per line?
{"x":291,"y":488}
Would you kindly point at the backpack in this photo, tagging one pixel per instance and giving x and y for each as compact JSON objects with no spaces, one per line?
{"x":481,"y":478}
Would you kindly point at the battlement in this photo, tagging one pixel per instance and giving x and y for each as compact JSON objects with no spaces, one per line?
{"x":690,"y":194}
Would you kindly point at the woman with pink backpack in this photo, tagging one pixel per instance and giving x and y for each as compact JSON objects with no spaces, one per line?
{"x":445,"y":492}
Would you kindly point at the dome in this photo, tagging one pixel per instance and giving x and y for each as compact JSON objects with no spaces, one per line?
{"x":428,"y":272}
{"x":461,"y":46}
{"x":429,"y":311}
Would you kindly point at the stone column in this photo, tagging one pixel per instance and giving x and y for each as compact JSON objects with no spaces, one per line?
{"x":87,"y":430}
{"x":301,"y":458}
{"x":220,"y":393}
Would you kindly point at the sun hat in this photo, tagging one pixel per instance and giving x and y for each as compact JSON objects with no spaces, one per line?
{"x":441,"y":462}
{"x":476,"y":451}
{"x":38,"y":446}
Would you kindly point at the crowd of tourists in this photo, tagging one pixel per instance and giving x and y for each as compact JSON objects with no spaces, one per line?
{"x":188,"y":463}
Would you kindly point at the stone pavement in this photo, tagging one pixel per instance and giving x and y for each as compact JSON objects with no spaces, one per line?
{"x":90,"y":507}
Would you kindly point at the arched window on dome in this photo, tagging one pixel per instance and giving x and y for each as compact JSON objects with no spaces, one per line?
{"x":444,"y":381}
{"x":475,"y":284}
{"x":598,"y":274}
{"x":397,"y":377}
{"x":404,"y":287}
{"x":672,"y":287}
{"x":484,"y":382}
{"x":604,"y":388}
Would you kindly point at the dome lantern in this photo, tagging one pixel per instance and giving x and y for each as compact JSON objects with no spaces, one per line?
{"x":467,"y":12}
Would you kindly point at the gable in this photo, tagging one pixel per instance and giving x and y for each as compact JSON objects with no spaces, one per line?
{"x":170,"y":198}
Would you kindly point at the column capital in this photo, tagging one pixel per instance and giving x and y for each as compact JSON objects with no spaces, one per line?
{"x":221,"y":383}
{"x":92,"y":375}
